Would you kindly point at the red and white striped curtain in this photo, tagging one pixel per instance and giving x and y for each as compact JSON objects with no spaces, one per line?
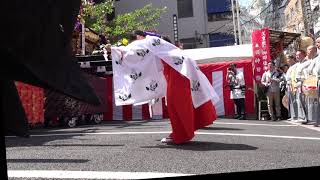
{"x":215,"y":72}
{"x":33,"y":97}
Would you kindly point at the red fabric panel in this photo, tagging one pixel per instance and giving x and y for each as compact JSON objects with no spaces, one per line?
{"x":32,"y":99}
{"x":165,"y":113}
{"x":261,"y":52}
{"x":127,"y":112}
{"x":108,"y":115}
{"x":145,"y":111}
{"x":207,"y":69}
{"x":185,"y":120}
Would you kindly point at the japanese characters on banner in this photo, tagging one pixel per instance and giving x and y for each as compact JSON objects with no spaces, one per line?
{"x":261,"y":53}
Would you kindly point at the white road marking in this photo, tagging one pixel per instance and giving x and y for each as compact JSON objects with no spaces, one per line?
{"x":260,"y":135}
{"x":88,"y":174}
{"x":257,"y":124}
{"x":168,"y":132}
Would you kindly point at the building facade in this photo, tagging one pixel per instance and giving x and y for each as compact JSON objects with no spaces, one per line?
{"x":294,"y":20}
{"x":201,"y":23}
{"x":315,"y":17}
{"x":191,"y":15}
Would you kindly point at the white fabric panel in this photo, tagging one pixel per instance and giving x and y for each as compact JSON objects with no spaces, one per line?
{"x":116,"y":110}
{"x":137,"y":112}
{"x":217,"y":82}
{"x":85,"y":64}
{"x":138,"y":78}
{"x":157,"y":109}
{"x":101,"y":69}
{"x":218,"y":54}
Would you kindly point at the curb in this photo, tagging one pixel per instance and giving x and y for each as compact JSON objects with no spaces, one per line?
{"x":309,"y":126}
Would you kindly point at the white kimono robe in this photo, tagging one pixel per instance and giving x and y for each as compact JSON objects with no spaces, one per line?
{"x":138,"y":72}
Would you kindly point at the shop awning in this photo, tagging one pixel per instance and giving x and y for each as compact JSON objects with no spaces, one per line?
{"x":277,"y":36}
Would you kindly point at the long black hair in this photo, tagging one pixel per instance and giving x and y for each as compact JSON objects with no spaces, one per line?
{"x":133,"y":35}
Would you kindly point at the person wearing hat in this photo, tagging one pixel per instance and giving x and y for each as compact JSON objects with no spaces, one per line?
{"x":236,"y":82}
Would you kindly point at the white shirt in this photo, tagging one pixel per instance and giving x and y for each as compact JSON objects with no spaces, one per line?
{"x":288,"y":73}
{"x":237,"y":93}
{"x":301,"y":70}
{"x":274,"y":86}
{"x":312,"y":69}
{"x":138,"y":76}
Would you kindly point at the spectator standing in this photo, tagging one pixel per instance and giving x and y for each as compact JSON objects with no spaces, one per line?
{"x":236,"y":82}
{"x":291,"y":91}
{"x":272,"y":79}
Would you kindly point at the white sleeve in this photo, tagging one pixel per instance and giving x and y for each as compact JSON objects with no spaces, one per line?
{"x":186,"y":66}
{"x":264,"y":79}
{"x":241,"y":79}
{"x":172,"y":55}
{"x":288,"y":75}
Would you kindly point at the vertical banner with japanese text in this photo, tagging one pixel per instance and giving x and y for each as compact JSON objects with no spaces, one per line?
{"x":261,"y":53}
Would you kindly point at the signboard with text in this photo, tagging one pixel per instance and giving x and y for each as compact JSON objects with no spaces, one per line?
{"x":261,"y":53}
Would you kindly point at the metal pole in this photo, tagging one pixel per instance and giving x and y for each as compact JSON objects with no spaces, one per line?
{"x":83,"y":33}
{"x":205,"y":25}
{"x":238,"y":21}
{"x":234,"y":23}
{"x":304,"y":18}
{"x":83,"y":39}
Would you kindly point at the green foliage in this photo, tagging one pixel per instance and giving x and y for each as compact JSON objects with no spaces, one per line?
{"x":146,"y":18}
{"x":95,"y":15}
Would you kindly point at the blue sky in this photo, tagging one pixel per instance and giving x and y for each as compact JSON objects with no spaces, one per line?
{"x":245,"y":2}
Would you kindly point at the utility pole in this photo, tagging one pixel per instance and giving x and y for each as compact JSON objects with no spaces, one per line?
{"x":308,"y":16}
{"x":305,"y":5}
{"x":276,"y":14}
{"x":236,"y":21}
{"x":83,"y":38}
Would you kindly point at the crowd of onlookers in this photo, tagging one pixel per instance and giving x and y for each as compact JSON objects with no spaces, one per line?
{"x":298,"y":80}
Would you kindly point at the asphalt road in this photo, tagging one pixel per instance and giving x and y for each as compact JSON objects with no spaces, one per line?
{"x":132,"y":150}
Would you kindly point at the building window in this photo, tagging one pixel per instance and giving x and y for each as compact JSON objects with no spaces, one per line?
{"x":188,"y":43}
{"x":221,"y":39}
{"x":185,"y":8}
{"x":220,"y":16}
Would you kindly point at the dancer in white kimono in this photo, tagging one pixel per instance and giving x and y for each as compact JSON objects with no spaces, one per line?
{"x":138,"y":78}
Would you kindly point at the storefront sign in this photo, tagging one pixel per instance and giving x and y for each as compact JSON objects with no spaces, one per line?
{"x":261,"y":53}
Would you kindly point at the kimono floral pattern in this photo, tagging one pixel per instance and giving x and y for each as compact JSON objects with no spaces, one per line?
{"x":195,"y":85}
{"x":125,"y":97}
{"x":119,"y":62}
{"x":142,"y":52}
{"x":152,"y":86}
{"x":134,"y":75}
{"x":156,"y":42}
{"x":178,"y":60}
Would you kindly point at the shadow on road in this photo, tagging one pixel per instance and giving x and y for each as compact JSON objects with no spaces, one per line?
{"x":46,"y":141}
{"x":47,"y":160}
{"x":221,"y":128}
{"x":205,"y":146}
{"x":84,"y":145}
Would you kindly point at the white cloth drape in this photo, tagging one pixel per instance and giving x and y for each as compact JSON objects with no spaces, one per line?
{"x":138,"y":72}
